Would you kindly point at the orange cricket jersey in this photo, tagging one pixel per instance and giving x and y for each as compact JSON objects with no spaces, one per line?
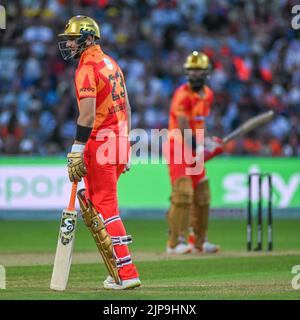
{"x":99,"y":76}
{"x":189,"y":104}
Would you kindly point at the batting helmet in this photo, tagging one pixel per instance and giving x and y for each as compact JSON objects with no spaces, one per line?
{"x":197,"y":60}
{"x":78,"y":28}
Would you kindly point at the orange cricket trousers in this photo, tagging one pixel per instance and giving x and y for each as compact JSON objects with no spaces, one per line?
{"x":101,"y":188}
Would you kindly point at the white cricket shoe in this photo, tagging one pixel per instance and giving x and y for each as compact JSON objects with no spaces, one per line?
{"x":110,"y":283}
{"x":181,"y":248}
{"x":109,"y":280}
{"x":208,"y":247}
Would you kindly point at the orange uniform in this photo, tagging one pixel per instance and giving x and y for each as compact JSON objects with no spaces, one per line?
{"x":189,"y":104}
{"x":195,"y":108}
{"x":99,"y":76}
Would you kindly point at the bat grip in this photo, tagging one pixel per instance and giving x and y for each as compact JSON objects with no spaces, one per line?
{"x":71,"y":206}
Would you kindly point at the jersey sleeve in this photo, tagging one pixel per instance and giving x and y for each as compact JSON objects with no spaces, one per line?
{"x":85,"y":82}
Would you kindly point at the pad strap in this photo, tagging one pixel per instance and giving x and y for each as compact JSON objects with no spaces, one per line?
{"x":111,"y":219}
{"x":121,"y":240}
{"x":121,"y":262}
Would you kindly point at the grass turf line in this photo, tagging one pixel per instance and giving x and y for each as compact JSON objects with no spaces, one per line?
{"x":252,"y":277}
{"x":228,"y":278}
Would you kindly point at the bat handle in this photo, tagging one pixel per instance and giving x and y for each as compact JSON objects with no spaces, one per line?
{"x":71,"y":206}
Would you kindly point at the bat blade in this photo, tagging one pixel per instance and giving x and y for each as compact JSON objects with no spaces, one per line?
{"x":64,"y":250}
{"x":249,"y":125}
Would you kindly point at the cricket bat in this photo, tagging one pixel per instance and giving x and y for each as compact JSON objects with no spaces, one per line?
{"x":65,"y":244}
{"x":249,"y":125}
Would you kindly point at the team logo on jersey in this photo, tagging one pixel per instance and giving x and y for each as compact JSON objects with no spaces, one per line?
{"x":108,"y":63}
{"x":199,"y":118}
{"x":86,"y":85}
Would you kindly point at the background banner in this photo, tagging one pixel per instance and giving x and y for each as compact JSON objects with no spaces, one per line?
{"x":31,"y":183}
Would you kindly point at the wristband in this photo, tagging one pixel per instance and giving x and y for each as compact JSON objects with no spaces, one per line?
{"x":83,"y":133}
{"x":77,"y":148}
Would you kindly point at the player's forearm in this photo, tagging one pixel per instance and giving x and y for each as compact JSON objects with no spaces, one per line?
{"x":87,"y":112}
{"x":85,"y":120}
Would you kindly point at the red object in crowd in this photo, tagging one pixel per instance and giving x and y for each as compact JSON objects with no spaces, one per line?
{"x":255,"y":147}
{"x":273,"y":102}
{"x":102,"y":3}
{"x":242,"y":70}
{"x":218,"y":65}
{"x":252,"y":146}
{"x":18,"y":132}
{"x":57,"y":67}
{"x":167,"y":4}
{"x":230,"y":147}
{"x":209,"y":52}
{"x":225,"y":51}
{"x":276,"y":147}
{"x":266,"y":74}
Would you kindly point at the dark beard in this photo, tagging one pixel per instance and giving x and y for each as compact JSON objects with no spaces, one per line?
{"x":197,"y":85}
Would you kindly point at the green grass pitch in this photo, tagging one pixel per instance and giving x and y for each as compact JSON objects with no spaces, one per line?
{"x":27,"y":251}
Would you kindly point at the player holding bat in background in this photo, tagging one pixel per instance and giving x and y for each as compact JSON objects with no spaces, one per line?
{"x":190,"y":198}
{"x":104,"y":116}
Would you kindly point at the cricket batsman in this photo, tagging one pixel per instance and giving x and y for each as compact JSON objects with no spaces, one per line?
{"x":190,"y":197}
{"x":100,"y":152}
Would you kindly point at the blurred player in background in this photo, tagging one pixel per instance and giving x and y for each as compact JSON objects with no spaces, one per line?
{"x":190,"y":197}
{"x":104,"y":111}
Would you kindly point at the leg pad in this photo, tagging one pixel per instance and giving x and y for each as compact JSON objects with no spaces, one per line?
{"x":104,"y":243}
{"x":200,"y":213}
{"x":179,"y":213}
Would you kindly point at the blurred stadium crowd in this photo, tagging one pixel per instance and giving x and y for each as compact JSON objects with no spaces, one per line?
{"x":254,"y":51}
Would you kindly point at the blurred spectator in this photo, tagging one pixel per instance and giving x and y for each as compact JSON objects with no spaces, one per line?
{"x":254,"y":51}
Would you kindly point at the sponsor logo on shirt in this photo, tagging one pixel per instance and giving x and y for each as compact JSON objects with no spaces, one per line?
{"x":87,"y":90}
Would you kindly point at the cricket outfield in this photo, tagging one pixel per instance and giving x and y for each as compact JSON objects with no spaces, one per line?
{"x":27,"y":251}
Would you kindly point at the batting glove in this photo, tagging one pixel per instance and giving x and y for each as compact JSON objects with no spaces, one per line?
{"x":76,"y":166}
{"x":212,"y":147}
